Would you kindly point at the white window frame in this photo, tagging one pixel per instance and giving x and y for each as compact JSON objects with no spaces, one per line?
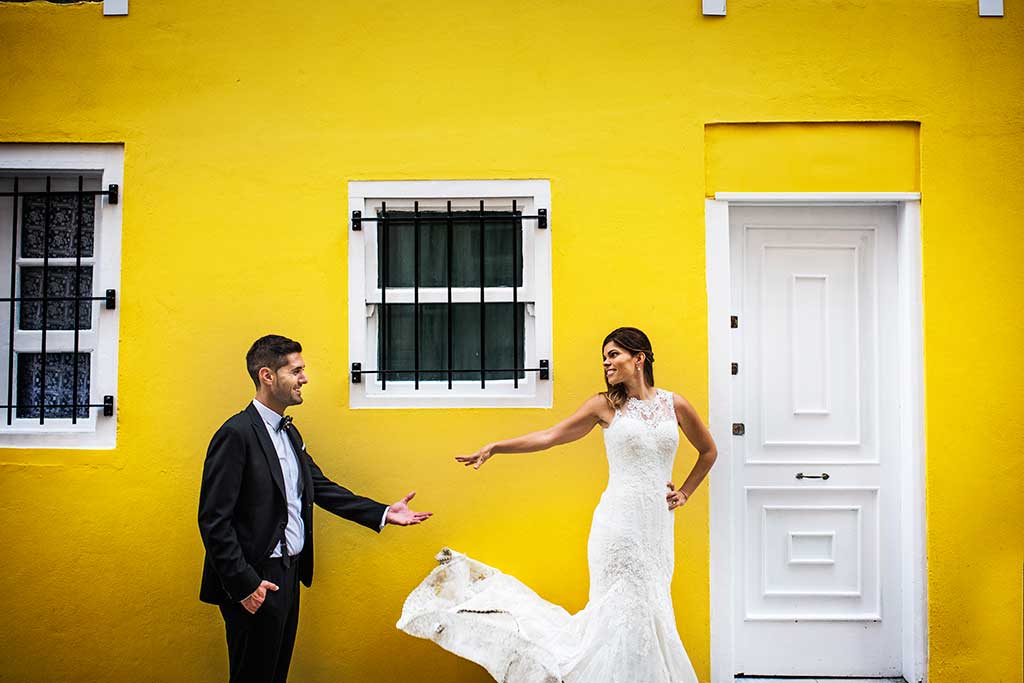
{"x":95,"y":431}
{"x":364,"y":294}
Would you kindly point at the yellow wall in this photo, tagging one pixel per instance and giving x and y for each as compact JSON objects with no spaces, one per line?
{"x":242,"y":123}
{"x":861,"y":156}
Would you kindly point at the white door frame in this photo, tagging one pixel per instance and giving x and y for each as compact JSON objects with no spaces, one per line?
{"x":911,"y":422}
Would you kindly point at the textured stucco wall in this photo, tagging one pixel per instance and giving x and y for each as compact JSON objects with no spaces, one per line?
{"x":242,"y":124}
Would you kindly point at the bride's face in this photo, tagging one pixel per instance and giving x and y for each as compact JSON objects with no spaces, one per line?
{"x":618,"y":363}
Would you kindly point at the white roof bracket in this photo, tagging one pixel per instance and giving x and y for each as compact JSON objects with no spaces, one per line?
{"x":713,"y":8}
{"x":115,"y":8}
{"x":990,"y":8}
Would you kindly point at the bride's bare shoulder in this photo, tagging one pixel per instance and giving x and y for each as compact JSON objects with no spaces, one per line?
{"x":600,"y":407}
{"x":684,"y":409}
{"x":679,"y":402}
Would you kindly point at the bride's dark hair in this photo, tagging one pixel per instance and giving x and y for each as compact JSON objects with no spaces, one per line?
{"x":635,"y":341}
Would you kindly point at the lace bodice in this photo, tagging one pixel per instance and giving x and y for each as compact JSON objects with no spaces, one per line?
{"x":641,"y":441}
{"x":651,"y":412}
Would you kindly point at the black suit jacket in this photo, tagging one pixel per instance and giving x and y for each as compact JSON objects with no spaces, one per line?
{"x":243,"y":510}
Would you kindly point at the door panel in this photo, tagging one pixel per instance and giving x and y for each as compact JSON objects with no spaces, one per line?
{"x":818,"y":554}
{"x":817,"y":463}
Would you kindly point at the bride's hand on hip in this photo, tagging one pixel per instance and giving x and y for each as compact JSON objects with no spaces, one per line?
{"x":675,"y":499}
{"x":477,"y":459}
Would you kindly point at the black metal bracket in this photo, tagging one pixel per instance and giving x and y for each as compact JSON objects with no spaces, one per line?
{"x":543,"y":371}
{"x":457,"y":217}
{"x":734,"y":321}
{"x":108,"y":406}
{"x":112,"y":193}
{"x":735,"y":368}
{"x":738,"y":429}
{"x":111,"y":299}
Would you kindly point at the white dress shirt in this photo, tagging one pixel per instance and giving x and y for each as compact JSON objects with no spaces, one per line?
{"x":294,"y":532}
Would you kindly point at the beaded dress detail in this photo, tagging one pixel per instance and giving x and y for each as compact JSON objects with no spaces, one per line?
{"x":627,"y":631}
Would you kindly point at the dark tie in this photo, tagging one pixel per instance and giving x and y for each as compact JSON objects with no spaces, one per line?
{"x":285,"y":423}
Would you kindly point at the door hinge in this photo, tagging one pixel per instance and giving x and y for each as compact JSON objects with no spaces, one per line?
{"x":735,"y":367}
{"x":734,"y":321}
{"x":738,"y":429}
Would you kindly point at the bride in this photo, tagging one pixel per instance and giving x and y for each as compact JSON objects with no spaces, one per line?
{"x":627,"y":631}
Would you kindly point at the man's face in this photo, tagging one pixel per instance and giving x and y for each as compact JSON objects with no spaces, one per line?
{"x":288,"y":381}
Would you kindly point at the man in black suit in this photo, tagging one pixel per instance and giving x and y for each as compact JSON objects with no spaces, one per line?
{"x":256,"y":516}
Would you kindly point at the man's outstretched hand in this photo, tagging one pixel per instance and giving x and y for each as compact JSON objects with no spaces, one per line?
{"x":400,"y":514}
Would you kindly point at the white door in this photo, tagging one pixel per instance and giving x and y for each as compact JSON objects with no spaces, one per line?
{"x":818,"y":555}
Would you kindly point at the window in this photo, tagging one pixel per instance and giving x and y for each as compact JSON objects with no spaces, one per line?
{"x":60,"y":243}
{"x":450,"y":294}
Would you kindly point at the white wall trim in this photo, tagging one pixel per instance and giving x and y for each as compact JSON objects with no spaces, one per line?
{"x":97,"y":431}
{"x":910,"y":308}
{"x":817,"y":198}
{"x":722,"y":525}
{"x":532,"y":194}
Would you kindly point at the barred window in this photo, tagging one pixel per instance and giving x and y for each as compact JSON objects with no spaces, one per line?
{"x":59,"y":257}
{"x":450,"y":294}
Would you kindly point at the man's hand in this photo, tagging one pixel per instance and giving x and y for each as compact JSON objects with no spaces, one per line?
{"x":400,"y":514}
{"x":253,"y":602}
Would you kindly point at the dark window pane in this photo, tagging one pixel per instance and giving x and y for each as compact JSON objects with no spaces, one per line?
{"x":465,"y":338}
{"x":59,"y":384}
{"x":499,"y":233}
{"x":60,"y":282}
{"x":63,"y":224}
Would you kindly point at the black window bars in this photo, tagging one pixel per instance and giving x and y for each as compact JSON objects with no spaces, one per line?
{"x":451,"y":220}
{"x":38,"y":308}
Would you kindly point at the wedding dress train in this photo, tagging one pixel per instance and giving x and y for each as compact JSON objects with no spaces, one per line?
{"x":627,"y":631}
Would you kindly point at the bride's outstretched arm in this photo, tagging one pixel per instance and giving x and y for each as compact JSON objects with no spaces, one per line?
{"x":700,"y":438}
{"x":576,"y":426}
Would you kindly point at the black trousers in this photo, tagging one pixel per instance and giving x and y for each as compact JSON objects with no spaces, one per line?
{"x":260,"y":645}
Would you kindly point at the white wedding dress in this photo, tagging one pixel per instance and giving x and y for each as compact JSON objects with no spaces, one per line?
{"x":627,"y":631}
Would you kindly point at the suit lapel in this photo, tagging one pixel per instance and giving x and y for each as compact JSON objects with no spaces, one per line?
{"x":269,"y":452}
{"x":300,"y":452}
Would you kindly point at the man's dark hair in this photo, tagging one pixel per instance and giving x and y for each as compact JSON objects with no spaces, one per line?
{"x":271,"y":352}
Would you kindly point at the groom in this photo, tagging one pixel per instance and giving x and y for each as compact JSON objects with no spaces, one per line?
{"x":256,"y":516}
